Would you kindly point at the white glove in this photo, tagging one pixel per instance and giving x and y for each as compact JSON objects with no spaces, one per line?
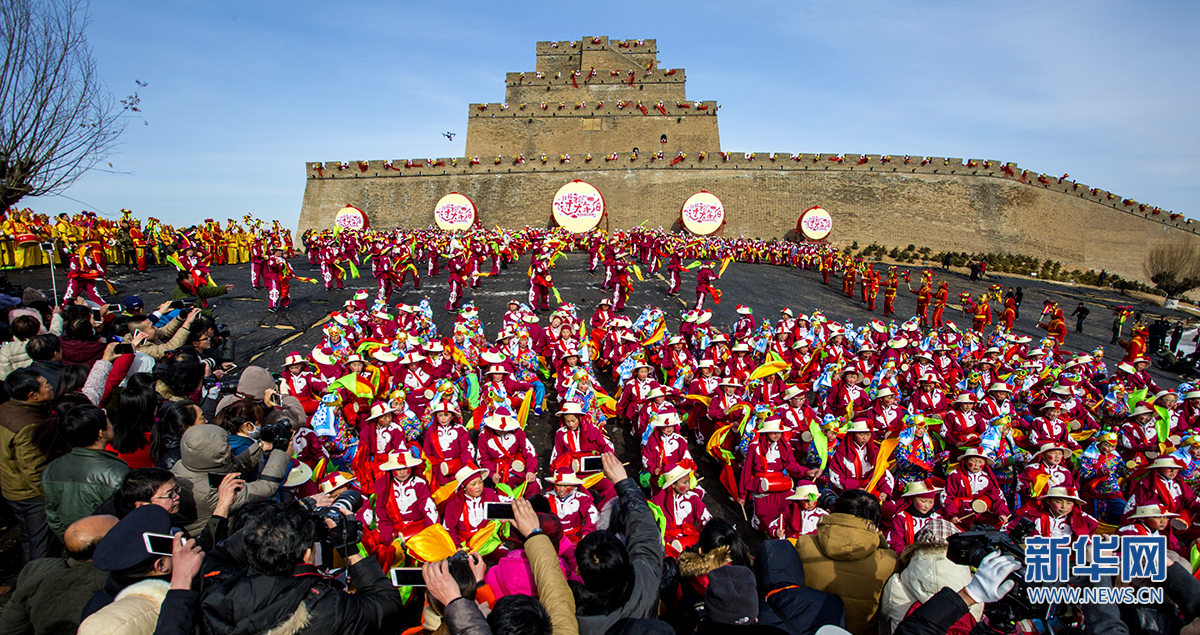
{"x":990,"y":583}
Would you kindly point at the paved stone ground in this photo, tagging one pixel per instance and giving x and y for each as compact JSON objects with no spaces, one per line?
{"x":264,"y":338}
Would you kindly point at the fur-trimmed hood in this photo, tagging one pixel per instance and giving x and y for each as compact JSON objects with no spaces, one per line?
{"x":133,"y":612}
{"x":694,"y":565}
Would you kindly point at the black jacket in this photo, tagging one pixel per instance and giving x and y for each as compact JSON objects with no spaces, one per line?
{"x":934,"y":617}
{"x":177,"y":615}
{"x":784,"y":601}
{"x":709,"y":627}
{"x":246,"y":603}
{"x":51,"y":370}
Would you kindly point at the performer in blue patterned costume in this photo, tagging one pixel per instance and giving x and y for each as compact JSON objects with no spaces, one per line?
{"x":998,"y":444}
{"x":1100,"y":472}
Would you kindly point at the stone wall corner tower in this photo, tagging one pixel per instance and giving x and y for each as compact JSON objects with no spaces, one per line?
{"x":594,"y":95}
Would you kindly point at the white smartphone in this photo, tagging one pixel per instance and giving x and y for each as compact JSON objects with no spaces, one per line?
{"x":159,"y":544}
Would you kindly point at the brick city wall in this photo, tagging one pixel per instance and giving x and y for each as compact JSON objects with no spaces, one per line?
{"x":595,"y":52}
{"x":945,"y":204}
{"x":596,"y":127}
{"x":527,"y":88}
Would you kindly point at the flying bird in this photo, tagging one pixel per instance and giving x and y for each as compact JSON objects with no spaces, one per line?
{"x":448,"y":135}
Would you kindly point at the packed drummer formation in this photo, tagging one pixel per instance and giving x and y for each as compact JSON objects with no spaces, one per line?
{"x":984,"y":425}
{"x":415,"y":418}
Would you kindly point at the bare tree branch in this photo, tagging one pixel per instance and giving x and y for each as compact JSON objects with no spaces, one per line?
{"x":1174,"y":267}
{"x":57,"y":119}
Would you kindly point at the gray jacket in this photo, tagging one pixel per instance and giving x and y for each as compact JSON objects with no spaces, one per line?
{"x":204,"y":449}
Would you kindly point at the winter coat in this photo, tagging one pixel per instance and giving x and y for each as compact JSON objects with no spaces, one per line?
{"x":177,"y":615}
{"x":694,"y":568}
{"x":463,"y":617}
{"x":21,"y":463}
{"x":133,"y":612}
{"x":76,"y":484}
{"x":204,"y":449}
{"x":848,"y":558}
{"x":553,"y":591}
{"x":12,"y":357}
{"x":49,"y":596}
{"x":81,"y":351}
{"x":645,"y":548}
{"x":936,"y":616}
{"x":513,"y":574}
{"x":243,"y":602}
{"x":12,"y":354}
{"x":167,"y":338}
{"x":927,"y":572}
{"x":784,"y":601}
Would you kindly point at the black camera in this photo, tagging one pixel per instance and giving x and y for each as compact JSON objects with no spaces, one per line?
{"x":222,"y":330}
{"x":228,"y":385}
{"x":969,"y":548}
{"x":827,"y":499}
{"x":278,"y":434}
{"x":346,"y":530}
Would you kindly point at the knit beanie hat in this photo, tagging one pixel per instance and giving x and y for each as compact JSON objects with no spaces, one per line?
{"x":732,"y":596}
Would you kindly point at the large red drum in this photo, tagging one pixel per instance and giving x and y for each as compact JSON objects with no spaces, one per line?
{"x":775,"y":482}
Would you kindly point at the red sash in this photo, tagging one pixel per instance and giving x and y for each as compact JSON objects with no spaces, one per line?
{"x":1165,"y":494}
{"x":504,"y":462}
{"x":465,"y":518}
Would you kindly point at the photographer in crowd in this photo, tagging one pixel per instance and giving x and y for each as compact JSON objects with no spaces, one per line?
{"x":154,"y":341}
{"x":264,"y":576}
{"x":123,"y":553}
{"x":256,"y":383}
{"x":206,"y":461}
{"x":620,"y":579}
{"x":846,"y":557}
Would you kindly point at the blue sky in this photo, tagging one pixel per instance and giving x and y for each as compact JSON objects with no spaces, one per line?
{"x":242,"y":94}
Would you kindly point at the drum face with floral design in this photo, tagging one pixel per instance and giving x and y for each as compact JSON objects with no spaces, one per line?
{"x":454,"y":212}
{"x":578,"y":207}
{"x":350,"y":217}
{"x":702,"y":213}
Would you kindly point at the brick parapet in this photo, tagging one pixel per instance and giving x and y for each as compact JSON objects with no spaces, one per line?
{"x":740,"y":161}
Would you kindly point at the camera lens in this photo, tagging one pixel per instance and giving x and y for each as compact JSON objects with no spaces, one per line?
{"x":351,"y":501}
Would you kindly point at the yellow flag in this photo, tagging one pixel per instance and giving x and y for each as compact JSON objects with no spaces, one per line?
{"x":444,"y":492}
{"x":767,"y":369}
{"x":433,"y":544}
{"x":881,"y":460}
{"x":523,"y":412}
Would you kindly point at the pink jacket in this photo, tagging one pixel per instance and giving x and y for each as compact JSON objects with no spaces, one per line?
{"x":512,"y":575}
